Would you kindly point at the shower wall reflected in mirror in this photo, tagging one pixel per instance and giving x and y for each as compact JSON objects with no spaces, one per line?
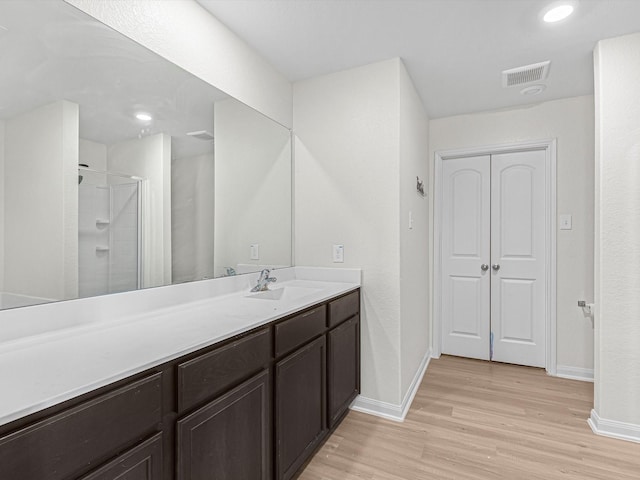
{"x":109,"y":232}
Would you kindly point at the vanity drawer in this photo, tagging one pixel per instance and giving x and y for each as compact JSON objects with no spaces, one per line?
{"x":72,"y":441}
{"x":343,"y":308}
{"x":297,"y":330}
{"x":211,"y":374}
{"x":143,"y":462}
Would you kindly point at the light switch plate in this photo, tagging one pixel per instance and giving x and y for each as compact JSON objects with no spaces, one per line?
{"x":255,"y":251}
{"x":565,"y":222}
{"x":338,"y":254}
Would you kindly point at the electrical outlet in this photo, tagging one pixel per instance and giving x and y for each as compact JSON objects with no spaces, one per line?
{"x":338,"y":254}
{"x":255,"y":251}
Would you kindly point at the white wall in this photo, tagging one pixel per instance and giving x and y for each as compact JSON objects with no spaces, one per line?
{"x":93,"y":154}
{"x":571,"y":122}
{"x":150,"y":158}
{"x":192,"y":218}
{"x":41,"y":195}
{"x":252,"y":188}
{"x":360,"y":138}
{"x":188,"y":35}
{"x":617,"y":234}
{"x":414,"y":241}
{"x":346,"y":189}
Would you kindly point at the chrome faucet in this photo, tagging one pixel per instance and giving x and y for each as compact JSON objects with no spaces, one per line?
{"x":264,"y":281}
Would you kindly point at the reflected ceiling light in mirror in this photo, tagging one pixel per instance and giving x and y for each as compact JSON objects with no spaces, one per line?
{"x":558,"y":11}
{"x":144,"y":116}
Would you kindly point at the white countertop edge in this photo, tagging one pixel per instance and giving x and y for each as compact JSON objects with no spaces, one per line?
{"x":19,"y":323}
{"x":50,"y":398}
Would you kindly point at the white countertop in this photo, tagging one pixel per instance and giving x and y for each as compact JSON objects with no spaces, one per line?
{"x":42,"y":370}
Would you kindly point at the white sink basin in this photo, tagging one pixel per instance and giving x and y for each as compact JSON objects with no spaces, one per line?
{"x":284,"y":294}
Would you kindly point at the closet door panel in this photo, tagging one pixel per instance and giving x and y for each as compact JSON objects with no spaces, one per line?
{"x":465,"y":249}
{"x":518,"y":257}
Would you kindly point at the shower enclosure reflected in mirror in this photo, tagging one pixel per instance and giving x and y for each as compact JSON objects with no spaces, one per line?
{"x":179,"y":181}
{"x":109,"y":232}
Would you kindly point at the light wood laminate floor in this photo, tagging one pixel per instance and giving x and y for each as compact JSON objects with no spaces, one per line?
{"x":479,"y":420}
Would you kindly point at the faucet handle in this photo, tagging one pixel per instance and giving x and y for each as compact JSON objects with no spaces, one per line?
{"x":265,"y":276}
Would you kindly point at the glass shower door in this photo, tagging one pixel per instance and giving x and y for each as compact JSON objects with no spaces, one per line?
{"x":109,"y":233}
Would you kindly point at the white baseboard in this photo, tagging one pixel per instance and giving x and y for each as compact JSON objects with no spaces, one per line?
{"x":575,"y":373}
{"x":391,"y":411}
{"x":612,"y":428}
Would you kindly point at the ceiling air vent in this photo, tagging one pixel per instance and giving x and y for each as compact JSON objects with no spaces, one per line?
{"x":527,"y":74}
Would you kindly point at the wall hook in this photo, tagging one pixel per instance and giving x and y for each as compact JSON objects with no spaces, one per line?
{"x":420,"y":186}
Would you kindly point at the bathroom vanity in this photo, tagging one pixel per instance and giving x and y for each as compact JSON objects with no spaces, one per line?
{"x":186,"y":378}
{"x":254,"y":400}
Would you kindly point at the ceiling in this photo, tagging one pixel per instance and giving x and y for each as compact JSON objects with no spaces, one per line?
{"x":454,"y":50}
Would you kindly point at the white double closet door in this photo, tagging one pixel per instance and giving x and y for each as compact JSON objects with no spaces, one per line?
{"x":493,"y":257}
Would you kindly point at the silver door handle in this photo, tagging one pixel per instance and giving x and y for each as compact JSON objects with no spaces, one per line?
{"x":484,"y":267}
{"x":495,"y":266}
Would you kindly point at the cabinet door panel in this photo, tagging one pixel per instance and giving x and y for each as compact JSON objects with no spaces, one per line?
{"x":300,"y":406}
{"x":343,"y":377}
{"x":143,"y":462}
{"x":230,"y":437}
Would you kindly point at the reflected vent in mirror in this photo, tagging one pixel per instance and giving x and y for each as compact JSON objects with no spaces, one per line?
{"x":201,"y":135}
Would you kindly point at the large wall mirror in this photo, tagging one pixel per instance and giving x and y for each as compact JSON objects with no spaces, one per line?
{"x":122,"y":171}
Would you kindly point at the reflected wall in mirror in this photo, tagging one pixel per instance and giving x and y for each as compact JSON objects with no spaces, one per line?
{"x":253,"y":190}
{"x":122,"y":171}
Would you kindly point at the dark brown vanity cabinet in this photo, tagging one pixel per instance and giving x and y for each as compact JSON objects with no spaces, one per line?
{"x":229,"y":436}
{"x":343,"y":368}
{"x":300,"y":406}
{"x":253,"y":407}
{"x":315,"y":384}
{"x":300,"y":388}
{"x":343,"y":350}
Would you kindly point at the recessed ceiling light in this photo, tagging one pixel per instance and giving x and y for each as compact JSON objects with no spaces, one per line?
{"x":143,"y":116}
{"x":557,"y":13}
{"x":532,"y":90}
